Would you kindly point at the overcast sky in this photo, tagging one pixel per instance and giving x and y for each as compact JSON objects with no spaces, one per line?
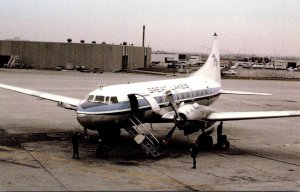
{"x":244,"y":26}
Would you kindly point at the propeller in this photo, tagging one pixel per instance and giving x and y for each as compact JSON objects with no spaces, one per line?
{"x":177,"y":118}
{"x":172,"y":102}
{"x":169,"y":135}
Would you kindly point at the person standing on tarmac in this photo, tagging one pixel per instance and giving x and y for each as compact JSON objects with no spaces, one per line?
{"x":220,"y":137}
{"x":194,"y":152}
{"x":75,"y":142}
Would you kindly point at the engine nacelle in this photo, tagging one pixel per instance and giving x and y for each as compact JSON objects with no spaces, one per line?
{"x":66,"y":106}
{"x":193,"y":118}
{"x":192,"y":112}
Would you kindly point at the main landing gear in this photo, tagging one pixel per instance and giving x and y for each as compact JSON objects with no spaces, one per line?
{"x":222,"y":142}
{"x":205,"y":142}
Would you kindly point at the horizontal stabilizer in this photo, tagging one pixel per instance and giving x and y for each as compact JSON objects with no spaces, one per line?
{"x":229,"y":116}
{"x":61,"y":99}
{"x":222,"y":91}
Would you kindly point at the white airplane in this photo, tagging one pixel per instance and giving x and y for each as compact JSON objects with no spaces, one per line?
{"x":183,"y":101}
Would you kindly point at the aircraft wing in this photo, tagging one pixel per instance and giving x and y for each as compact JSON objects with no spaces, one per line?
{"x":222,"y":91}
{"x":229,"y":116}
{"x":62,"y":101}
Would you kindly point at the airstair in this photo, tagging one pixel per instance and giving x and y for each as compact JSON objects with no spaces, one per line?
{"x":140,"y":133}
{"x":143,"y":136}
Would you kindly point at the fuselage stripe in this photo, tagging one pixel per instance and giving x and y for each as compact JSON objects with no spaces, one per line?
{"x":145,"y":107}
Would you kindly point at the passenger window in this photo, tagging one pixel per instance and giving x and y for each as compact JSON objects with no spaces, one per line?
{"x":107,"y":100}
{"x":166,"y":100}
{"x":181,"y":96}
{"x":195,"y":93}
{"x":113,"y":100}
{"x":191,"y":95}
{"x":90,"y":98}
{"x":177,"y":98}
{"x":160,"y":98}
{"x":186,"y":95}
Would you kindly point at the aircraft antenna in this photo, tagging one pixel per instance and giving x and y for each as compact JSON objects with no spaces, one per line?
{"x":100,"y":86}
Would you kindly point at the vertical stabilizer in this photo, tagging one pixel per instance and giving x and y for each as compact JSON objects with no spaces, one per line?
{"x":211,"y":68}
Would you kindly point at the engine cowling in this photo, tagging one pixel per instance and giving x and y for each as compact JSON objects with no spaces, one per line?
{"x":194,"y":118}
{"x":192,"y":112}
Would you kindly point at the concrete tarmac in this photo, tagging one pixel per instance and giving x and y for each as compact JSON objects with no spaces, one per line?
{"x":35,"y":150}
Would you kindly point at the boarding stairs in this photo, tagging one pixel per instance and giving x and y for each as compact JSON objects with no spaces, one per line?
{"x":143,"y":136}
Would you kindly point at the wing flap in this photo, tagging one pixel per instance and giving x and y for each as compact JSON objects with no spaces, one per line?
{"x":222,"y":91}
{"x":229,"y":116}
{"x":52,"y":97}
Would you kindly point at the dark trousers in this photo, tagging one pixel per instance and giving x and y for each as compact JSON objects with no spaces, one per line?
{"x":75,"y":151}
{"x":194,"y":162}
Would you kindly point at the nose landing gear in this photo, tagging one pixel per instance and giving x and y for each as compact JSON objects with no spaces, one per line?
{"x":222,"y":142}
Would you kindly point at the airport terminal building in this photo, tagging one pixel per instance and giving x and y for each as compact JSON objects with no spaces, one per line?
{"x":49,"y":55}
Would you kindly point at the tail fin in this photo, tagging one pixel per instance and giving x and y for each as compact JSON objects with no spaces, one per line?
{"x":211,"y":68}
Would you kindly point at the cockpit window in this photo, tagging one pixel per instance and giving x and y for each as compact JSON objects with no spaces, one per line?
{"x":113,"y":100}
{"x":102,"y":99}
{"x":99,"y":98}
{"x":107,"y":100}
{"x":90,"y":98}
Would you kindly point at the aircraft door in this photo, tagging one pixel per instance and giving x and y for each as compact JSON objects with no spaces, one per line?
{"x":133,"y":103}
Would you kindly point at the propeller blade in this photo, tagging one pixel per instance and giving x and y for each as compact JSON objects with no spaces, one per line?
{"x":172,"y":102}
{"x":169,"y":135}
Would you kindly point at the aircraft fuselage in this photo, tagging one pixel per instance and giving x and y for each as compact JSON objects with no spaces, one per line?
{"x":97,"y":115}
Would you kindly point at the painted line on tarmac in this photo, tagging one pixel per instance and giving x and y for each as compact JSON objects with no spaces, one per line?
{"x":62,"y":185}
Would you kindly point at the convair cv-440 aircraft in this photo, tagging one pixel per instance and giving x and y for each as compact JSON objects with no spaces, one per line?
{"x":183,"y":101}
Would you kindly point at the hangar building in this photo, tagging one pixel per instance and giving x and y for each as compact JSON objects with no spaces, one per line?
{"x":49,"y":55}
{"x":284,"y":64}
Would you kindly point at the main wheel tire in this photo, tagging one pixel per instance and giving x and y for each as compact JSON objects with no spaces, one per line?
{"x":226,"y":144}
{"x":205,"y":142}
{"x":223,"y":143}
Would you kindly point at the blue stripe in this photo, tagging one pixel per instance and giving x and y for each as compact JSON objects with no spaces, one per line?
{"x":101,"y":108}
